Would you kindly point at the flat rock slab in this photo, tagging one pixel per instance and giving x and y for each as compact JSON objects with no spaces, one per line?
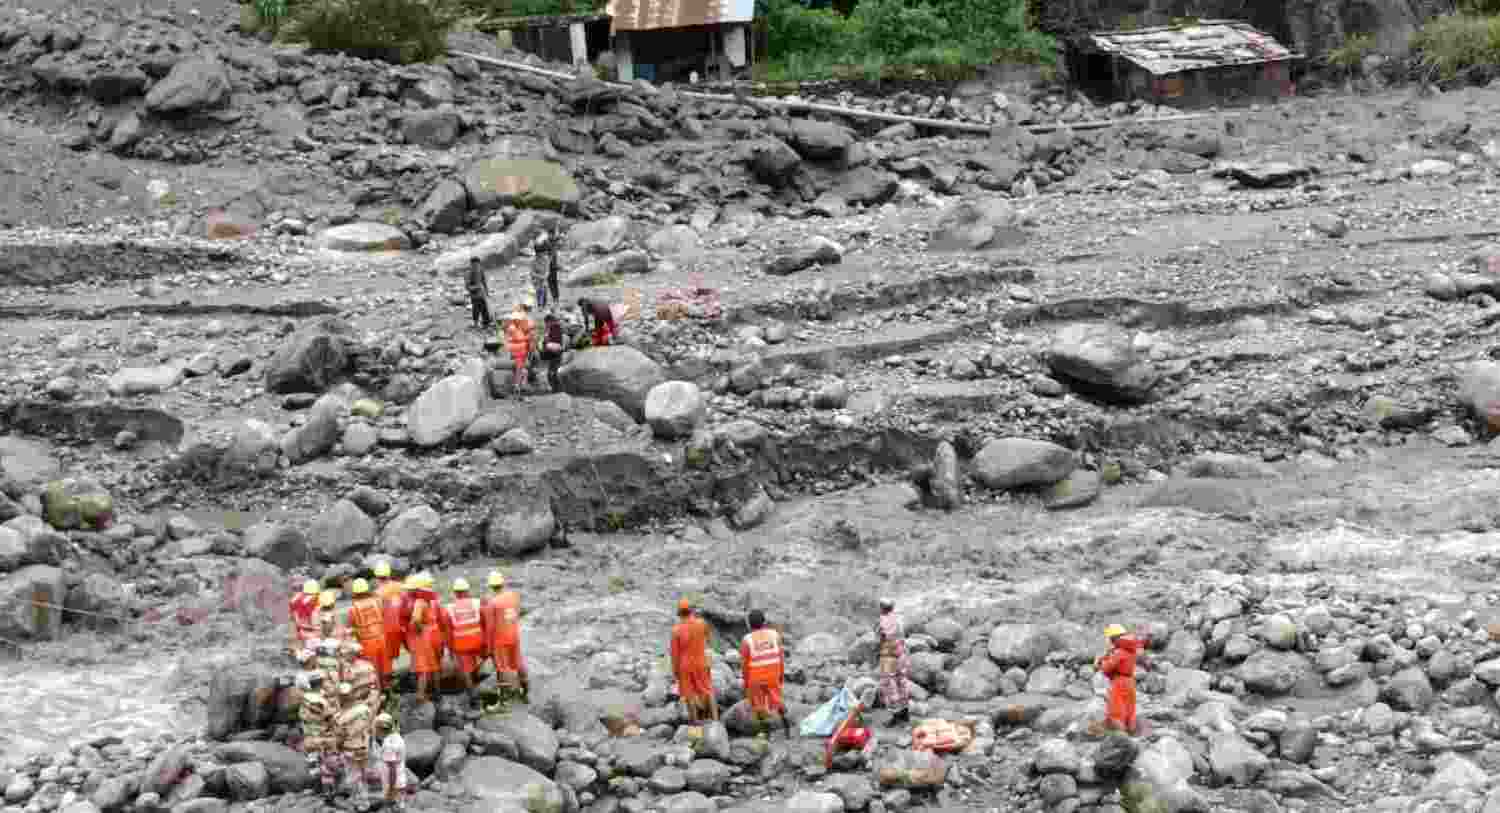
{"x":364,"y":237}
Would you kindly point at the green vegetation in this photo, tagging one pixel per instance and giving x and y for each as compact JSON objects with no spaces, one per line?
{"x":390,"y":30}
{"x":1460,"y":44}
{"x":1347,"y":58}
{"x":942,"y":39}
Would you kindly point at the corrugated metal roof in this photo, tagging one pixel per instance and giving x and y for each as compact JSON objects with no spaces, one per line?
{"x":1206,"y":44}
{"x":648,"y":15}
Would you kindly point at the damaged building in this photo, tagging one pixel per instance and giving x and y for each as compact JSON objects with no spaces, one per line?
{"x":1202,"y":63}
{"x":577,"y":39}
{"x":669,"y":40}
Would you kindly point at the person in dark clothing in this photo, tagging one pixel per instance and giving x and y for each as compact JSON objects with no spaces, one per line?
{"x":552,"y":273}
{"x":543,"y":269}
{"x":601,"y":317}
{"x":479,"y":294}
{"x":553,"y":344}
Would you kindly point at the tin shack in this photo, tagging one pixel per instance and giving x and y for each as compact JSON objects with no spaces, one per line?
{"x":1202,"y":63}
{"x":669,"y":40}
{"x":577,"y":39}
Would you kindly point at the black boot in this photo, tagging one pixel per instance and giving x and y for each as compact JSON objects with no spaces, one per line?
{"x":902,"y":716}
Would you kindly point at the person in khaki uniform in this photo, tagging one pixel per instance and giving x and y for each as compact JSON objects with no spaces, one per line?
{"x":360,"y":673}
{"x":353,"y":727}
{"x":318,"y":713}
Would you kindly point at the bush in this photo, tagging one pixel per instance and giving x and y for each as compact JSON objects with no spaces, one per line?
{"x":390,"y":30}
{"x":1349,"y":57}
{"x":1456,"y":44}
{"x":944,"y":38}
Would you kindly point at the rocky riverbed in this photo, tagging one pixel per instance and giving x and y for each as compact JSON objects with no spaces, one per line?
{"x":1225,"y":380}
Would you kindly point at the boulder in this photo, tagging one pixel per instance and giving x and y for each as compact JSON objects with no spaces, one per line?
{"x":527,"y":183}
{"x":318,"y":434}
{"x":1270,"y":672}
{"x":1016,"y":462}
{"x":1099,"y":361}
{"x":247,"y":781}
{"x":286,"y":769}
{"x":253,"y":449}
{"x":1479,"y":392}
{"x":19,"y":619}
{"x":1023,"y":645}
{"x":342,"y":532}
{"x":76,"y":503}
{"x":97,"y":602}
{"x":434,"y":129}
{"x":820,"y":140}
{"x":507,"y":787}
{"x":772,"y":162}
{"x":675,"y":409}
{"x":312,"y":359}
{"x":445,"y":410}
{"x":194,"y":85}
{"x":423,"y":748}
{"x":813,"y":251}
{"x":519,"y":523}
{"x":973,"y":225}
{"x":1232,"y":759}
{"x":129,"y":381}
{"x":678,"y":241}
{"x":600,"y":236}
{"x":810,"y":802}
{"x":410,"y":531}
{"x":444,"y":210}
{"x":622,"y":375}
{"x":358,"y":237}
{"x":536,"y":744}
{"x":609,"y":270}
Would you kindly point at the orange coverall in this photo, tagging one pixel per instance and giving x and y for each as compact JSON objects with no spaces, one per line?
{"x":1119,"y":667}
{"x":690,"y":661}
{"x":764,"y":668}
{"x":425,"y":640}
{"x":464,"y":633}
{"x":501,"y":619}
{"x":390,"y":593}
{"x":367,"y":619}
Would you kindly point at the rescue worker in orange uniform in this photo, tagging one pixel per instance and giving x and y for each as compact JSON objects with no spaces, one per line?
{"x":367,"y":619}
{"x":501,"y":620}
{"x":695,"y":683}
{"x":1119,"y":667}
{"x":465,"y":632}
{"x":424,"y":635}
{"x":390,"y":591}
{"x":304,"y":610}
{"x":763,"y":662}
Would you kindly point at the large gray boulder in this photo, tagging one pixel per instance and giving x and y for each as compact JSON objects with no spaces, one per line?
{"x":1019,"y":462}
{"x":318,"y":434}
{"x":519,"y":523}
{"x":623,"y":375}
{"x":410,"y":531}
{"x":312,"y":359}
{"x":194,"y":85}
{"x":19,"y":619}
{"x":363,"y":236}
{"x":1479,"y":392}
{"x":1099,"y":361}
{"x":600,"y":236}
{"x":674,"y":409}
{"x":282,"y":545}
{"x":821,"y":140}
{"x":129,"y":381}
{"x":527,"y":183}
{"x":536,"y":743}
{"x":342,"y":532}
{"x":445,"y":410}
{"x":286,"y":769}
{"x":503,"y":786}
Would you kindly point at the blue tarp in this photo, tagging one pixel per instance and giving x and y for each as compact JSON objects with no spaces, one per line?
{"x":827,"y":717}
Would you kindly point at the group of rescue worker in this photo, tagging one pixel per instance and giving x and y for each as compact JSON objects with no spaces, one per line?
{"x":348,"y":659}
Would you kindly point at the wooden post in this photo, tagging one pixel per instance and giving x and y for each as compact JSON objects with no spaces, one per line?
{"x":624,"y":60}
{"x":580,"y":44}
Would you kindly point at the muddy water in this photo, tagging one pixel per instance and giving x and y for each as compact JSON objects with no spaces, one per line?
{"x":49,"y":706}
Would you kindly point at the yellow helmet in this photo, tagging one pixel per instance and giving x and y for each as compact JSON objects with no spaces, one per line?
{"x":1114,"y":631}
{"x":413,"y":582}
{"x":460,"y":585}
{"x":497,"y":579}
{"x":424,"y":579}
{"x":382,"y":570}
{"x":310,"y":587}
{"x":360,"y":587}
{"x":328,"y":598}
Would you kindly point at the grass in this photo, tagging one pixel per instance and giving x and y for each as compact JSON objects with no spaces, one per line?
{"x":400,"y":31}
{"x":1462,"y":44}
